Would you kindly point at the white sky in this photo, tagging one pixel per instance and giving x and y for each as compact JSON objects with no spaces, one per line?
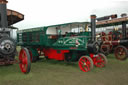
{"x":49,"y":12}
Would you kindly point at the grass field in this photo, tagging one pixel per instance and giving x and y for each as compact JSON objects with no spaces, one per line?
{"x":51,"y":72}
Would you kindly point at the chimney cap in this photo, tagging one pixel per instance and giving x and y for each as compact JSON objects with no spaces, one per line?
{"x":93,"y":16}
{"x":3,"y":1}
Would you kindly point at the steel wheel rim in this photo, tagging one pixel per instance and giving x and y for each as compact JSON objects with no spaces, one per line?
{"x":30,"y":55}
{"x":84,"y":64}
{"x":23,"y":61}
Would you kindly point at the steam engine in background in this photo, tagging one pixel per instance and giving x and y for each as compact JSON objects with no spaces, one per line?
{"x":7,"y":42}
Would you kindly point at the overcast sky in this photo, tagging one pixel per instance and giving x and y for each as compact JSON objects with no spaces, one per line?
{"x":49,"y":12}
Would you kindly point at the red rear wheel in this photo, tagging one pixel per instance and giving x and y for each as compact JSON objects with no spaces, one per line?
{"x":32,"y":58}
{"x":121,"y":52}
{"x":85,"y":63}
{"x":100,"y":60}
{"x":24,"y":58}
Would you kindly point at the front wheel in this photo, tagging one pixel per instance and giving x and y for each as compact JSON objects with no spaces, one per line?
{"x":85,"y":63}
{"x":25,"y":62}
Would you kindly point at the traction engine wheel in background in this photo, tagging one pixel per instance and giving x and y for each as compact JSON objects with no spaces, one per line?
{"x":85,"y":63}
{"x":105,"y":49}
{"x":24,"y":58}
{"x":121,"y":52}
{"x":99,"y":60}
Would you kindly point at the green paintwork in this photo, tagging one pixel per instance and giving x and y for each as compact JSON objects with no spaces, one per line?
{"x":78,"y":42}
{"x":34,"y":52}
{"x":38,"y":37}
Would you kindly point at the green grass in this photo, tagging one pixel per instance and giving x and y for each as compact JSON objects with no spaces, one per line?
{"x":51,"y":72}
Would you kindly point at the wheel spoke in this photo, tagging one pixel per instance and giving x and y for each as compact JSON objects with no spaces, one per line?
{"x":81,"y":63}
{"x":86,"y":68}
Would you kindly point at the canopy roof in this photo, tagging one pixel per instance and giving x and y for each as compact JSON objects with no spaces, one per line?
{"x":112,"y":22}
{"x":72,"y":24}
{"x":14,"y":17}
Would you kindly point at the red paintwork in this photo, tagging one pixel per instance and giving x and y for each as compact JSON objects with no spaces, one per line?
{"x":110,"y":37}
{"x":84,"y":64}
{"x":54,"y":54}
{"x":98,"y":60}
{"x":110,"y":33}
{"x":23,"y":61}
{"x":91,"y":55}
{"x":103,"y":38}
{"x":103,"y":33}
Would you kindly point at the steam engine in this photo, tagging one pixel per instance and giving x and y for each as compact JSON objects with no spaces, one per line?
{"x":7,"y":44}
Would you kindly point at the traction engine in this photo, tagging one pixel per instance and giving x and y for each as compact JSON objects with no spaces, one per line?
{"x":62,"y":43}
{"x":114,"y":41}
{"x":7,"y":43}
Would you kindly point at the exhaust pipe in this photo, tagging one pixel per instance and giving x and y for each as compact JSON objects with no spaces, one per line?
{"x":3,"y":14}
{"x":93,"y":27}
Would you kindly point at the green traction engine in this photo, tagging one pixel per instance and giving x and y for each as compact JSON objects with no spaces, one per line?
{"x":64,"y":42}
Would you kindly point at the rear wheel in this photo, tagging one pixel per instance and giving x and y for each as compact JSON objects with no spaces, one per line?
{"x":24,"y":58}
{"x":85,"y":63}
{"x":121,"y":53}
{"x":32,"y":58}
{"x":100,"y":60}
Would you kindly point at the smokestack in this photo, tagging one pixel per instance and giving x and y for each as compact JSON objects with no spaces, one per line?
{"x":93,"y":27}
{"x":124,"y":33}
{"x":3,"y":14}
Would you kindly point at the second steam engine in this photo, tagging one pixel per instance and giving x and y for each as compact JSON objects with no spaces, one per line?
{"x":7,"y":43}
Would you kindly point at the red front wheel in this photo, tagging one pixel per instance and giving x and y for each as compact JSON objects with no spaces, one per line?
{"x":25,"y":62}
{"x":85,"y":63}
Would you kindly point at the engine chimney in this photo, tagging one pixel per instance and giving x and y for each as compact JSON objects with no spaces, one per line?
{"x":3,"y":14}
{"x":93,"y":27}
